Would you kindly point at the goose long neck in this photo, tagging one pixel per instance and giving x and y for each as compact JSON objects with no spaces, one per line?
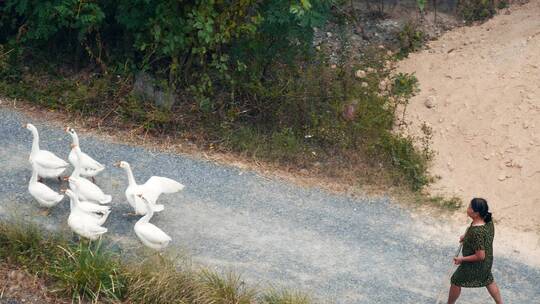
{"x":34,"y":177}
{"x":73,"y":202}
{"x":75,"y":138}
{"x":77,"y":171}
{"x":149,"y":213}
{"x":131,"y":178}
{"x":35,"y":141}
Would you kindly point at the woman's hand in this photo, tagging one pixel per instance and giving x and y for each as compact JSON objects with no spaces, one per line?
{"x":458,"y":260}
{"x":461,"y":238}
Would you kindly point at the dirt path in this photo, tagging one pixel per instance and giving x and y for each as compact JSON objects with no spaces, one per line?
{"x":480,"y":92}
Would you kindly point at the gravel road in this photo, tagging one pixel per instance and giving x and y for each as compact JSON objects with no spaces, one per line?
{"x":338,"y":248}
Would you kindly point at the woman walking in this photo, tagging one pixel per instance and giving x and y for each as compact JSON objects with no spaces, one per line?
{"x":475,"y":265}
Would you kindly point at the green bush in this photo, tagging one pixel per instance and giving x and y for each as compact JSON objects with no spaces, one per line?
{"x":502,"y":4}
{"x":411,"y":39}
{"x":476,"y":10}
{"x":200,"y":47}
{"x":405,"y":85}
{"x":405,"y":158}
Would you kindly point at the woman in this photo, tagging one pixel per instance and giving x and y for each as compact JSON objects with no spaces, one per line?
{"x":475,"y":265}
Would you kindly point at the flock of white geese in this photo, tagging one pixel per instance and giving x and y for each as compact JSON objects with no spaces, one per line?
{"x":88,"y":203}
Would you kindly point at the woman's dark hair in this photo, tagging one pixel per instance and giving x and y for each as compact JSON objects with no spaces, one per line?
{"x":480,"y":205}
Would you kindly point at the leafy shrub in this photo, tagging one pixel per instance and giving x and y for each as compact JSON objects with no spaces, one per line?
{"x":405,"y":85}
{"x":411,"y":39}
{"x":402,"y":154}
{"x":502,"y":4}
{"x":476,"y":10}
{"x":198,"y":47}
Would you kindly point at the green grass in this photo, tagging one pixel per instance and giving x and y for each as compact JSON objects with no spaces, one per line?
{"x":275,"y":296}
{"x":452,"y":203}
{"x":89,"y":271}
{"x":449,"y":204}
{"x":228,"y":289}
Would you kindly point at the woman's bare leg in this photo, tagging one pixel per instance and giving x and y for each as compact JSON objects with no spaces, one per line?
{"x":453,"y":294}
{"x":494,"y":292}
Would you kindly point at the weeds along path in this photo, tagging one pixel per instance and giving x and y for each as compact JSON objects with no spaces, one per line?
{"x":480,"y":93}
{"x":338,"y":248}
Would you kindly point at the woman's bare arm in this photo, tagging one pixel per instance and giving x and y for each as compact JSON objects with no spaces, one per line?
{"x":478,"y":256}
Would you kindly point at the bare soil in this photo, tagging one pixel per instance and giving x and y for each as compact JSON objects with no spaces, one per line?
{"x":480,"y":94}
{"x":18,"y":286}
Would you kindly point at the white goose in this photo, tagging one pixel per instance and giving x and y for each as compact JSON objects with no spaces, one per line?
{"x":152,"y":189}
{"x":86,"y":190}
{"x":44,"y":195}
{"x":149,"y":234}
{"x":100,"y":213}
{"x":81,"y":222}
{"x":47,"y":164}
{"x":89,"y":166}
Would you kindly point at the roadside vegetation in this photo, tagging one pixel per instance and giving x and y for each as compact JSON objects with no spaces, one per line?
{"x":85,"y":272}
{"x":241,"y":77}
{"x":233,"y":76}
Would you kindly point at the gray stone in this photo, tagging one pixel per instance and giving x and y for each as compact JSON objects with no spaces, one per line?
{"x":145,"y":87}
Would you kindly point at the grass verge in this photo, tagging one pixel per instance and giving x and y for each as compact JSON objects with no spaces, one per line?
{"x":88,"y":272}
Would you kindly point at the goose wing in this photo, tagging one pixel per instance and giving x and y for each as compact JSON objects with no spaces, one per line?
{"x":48,"y":160}
{"x":152,"y":233}
{"x":44,"y":192}
{"x":90,"y":164}
{"x":156,"y":185}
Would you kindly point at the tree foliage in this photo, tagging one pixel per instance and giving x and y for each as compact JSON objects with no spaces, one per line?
{"x":197,"y":44}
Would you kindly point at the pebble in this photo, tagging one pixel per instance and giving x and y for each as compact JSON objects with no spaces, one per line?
{"x":360,"y":74}
{"x":430,"y":102}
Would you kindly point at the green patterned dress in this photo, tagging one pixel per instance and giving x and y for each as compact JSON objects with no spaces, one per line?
{"x":476,"y":274}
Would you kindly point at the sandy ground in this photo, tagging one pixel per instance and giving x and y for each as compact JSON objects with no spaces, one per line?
{"x":480,"y":93}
